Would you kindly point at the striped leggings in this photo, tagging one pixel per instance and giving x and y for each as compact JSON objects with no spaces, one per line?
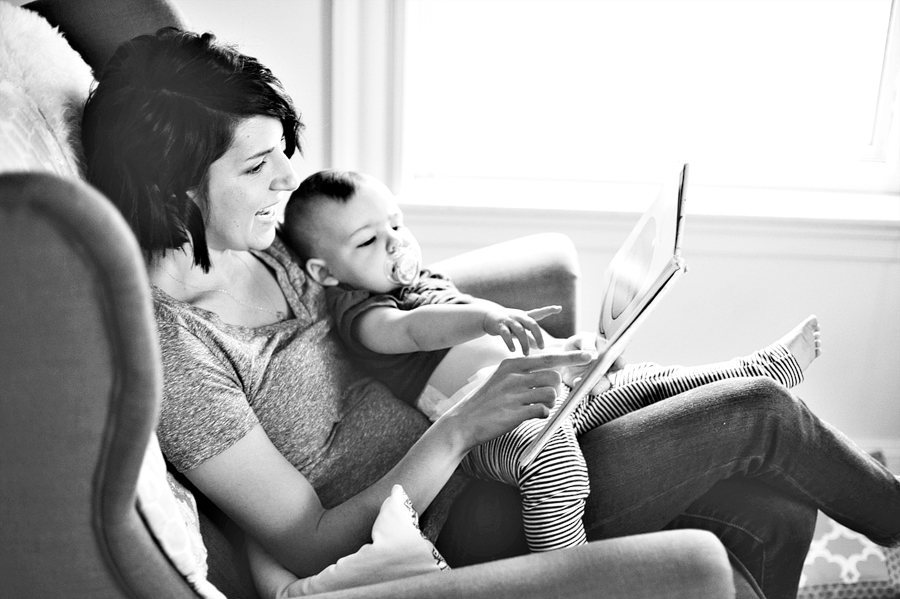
{"x":555,"y":484}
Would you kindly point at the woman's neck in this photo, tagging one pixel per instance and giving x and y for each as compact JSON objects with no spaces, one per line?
{"x":237,"y":287}
{"x":176,"y":269}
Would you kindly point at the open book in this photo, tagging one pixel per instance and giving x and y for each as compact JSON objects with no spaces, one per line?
{"x":640,"y":273}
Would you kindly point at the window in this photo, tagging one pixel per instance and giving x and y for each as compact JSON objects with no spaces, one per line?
{"x":596,"y":98}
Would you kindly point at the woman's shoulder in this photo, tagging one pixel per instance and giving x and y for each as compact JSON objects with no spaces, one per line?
{"x":280,"y":255}
{"x":197,"y":340}
{"x":179,"y":323}
{"x":305,"y":296}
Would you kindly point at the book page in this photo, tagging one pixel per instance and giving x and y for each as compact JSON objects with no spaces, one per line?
{"x":647,"y":255}
{"x":642,"y":270}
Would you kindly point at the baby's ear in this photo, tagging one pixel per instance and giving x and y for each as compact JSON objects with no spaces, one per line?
{"x":318,"y":270}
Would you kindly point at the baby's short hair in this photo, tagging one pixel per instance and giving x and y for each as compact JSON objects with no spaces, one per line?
{"x":331,"y":185}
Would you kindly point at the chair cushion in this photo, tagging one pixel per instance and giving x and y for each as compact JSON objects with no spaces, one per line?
{"x":171,"y":515}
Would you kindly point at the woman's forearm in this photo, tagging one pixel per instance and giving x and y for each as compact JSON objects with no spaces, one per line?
{"x":422,"y":473}
{"x":275,"y":504}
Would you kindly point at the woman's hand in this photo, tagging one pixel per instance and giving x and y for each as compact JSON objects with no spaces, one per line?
{"x":520,"y":389}
{"x":592,"y":342}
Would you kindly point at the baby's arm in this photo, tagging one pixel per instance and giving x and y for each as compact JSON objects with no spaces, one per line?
{"x":388,"y":330}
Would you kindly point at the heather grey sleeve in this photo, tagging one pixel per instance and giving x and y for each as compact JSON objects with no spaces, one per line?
{"x":204,"y":407}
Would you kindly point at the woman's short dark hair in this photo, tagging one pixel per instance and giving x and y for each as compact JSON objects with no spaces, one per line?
{"x":165,"y":108}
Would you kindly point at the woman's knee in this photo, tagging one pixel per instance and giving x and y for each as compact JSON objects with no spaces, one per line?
{"x":773,"y":400}
{"x":766,"y":388}
{"x":752,"y":394}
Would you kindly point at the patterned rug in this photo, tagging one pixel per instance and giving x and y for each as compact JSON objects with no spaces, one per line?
{"x":843,"y":564}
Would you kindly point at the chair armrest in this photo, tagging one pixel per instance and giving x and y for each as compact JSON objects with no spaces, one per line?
{"x":525,"y":273}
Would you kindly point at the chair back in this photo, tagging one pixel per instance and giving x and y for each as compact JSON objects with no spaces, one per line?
{"x":80,"y":385}
{"x":95,"y":28}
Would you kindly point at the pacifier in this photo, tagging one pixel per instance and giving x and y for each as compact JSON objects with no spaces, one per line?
{"x":402,"y":265}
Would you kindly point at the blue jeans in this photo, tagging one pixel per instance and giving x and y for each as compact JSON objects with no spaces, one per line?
{"x":745,"y":459}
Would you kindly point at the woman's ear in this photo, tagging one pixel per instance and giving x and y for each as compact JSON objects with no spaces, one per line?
{"x":318,"y":270}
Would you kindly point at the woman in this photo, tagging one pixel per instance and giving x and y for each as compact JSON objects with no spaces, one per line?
{"x":267,"y":417}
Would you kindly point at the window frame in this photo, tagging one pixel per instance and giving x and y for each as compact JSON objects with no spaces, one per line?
{"x":370,"y":100}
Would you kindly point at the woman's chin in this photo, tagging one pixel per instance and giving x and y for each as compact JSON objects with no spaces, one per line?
{"x":263,"y":238}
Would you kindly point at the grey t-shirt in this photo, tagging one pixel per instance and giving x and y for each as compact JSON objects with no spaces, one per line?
{"x":339,"y":428}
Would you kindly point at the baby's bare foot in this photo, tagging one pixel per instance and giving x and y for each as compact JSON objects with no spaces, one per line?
{"x":803,"y":342}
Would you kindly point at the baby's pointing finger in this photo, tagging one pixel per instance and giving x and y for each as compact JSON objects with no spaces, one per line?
{"x":539,"y":313}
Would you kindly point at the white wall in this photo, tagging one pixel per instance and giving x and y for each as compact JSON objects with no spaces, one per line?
{"x":290,"y":38}
{"x":750,"y":280}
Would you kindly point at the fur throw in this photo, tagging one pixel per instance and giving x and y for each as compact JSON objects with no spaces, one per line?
{"x":43,"y":86}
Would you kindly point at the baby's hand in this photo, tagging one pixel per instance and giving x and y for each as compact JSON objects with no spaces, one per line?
{"x":508,"y":323}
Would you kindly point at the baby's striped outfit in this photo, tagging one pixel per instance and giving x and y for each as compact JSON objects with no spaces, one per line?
{"x":555,"y":484}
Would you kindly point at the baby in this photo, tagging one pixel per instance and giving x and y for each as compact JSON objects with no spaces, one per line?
{"x":433,"y":345}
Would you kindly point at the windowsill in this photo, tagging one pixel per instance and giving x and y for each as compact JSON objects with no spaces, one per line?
{"x":633,"y":198}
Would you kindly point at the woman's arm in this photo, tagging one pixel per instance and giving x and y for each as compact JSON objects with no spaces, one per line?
{"x":387,"y":330}
{"x":265,"y":495}
{"x":269,"y":499}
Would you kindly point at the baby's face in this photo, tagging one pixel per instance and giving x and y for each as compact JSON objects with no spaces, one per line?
{"x":360,"y":239}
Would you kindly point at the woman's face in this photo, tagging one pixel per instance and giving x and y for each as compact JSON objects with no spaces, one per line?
{"x":247,"y":186}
